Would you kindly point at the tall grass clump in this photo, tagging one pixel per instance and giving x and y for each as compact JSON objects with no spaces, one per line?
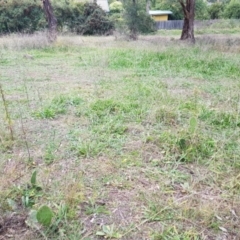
{"x":24,"y":41}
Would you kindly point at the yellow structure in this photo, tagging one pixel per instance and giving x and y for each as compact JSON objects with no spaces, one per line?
{"x":158,"y":15}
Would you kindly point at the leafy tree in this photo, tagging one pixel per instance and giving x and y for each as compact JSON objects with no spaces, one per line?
{"x":95,"y":21}
{"x":201,"y":11}
{"x":68,"y":14}
{"x":171,"y":5}
{"x":27,"y":16}
{"x":232,"y":10}
{"x":218,"y":1}
{"x":136,"y":18}
{"x":21,"y":16}
{"x":216,"y":10}
{"x":116,"y":7}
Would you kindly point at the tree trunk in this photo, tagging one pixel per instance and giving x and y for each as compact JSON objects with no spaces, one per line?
{"x":148,"y":5}
{"x":51,"y":19}
{"x":188,"y":24}
{"x":133,"y":28}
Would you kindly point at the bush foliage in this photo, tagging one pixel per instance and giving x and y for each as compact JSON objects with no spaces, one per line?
{"x":96,"y":21}
{"x":136,"y":19}
{"x":201,"y":12}
{"x":232,"y":10}
{"x":21,"y":16}
{"x":69,"y":15}
{"x":215,"y":10}
{"x":116,"y":7}
{"x":26,"y":16}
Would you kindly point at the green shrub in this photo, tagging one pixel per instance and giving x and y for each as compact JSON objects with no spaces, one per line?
{"x":215,"y":10}
{"x":27,"y":16}
{"x":116,"y":7}
{"x":21,"y":16}
{"x":147,"y":23}
{"x":174,"y":6}
{"x":69,"y":15}
{"x":95,"y":21}
{"x":171,"y":5}
{"x":118,"y":21}
{"x":82,"y":18}
{"x":136,"y":18}
{"x":232,"y":11}
{"x":201,"y":10}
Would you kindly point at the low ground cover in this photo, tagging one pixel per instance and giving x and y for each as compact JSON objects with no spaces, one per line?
{"x":129,"y":140}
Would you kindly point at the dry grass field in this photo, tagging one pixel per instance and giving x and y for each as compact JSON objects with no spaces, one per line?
{"x":128,"y":140}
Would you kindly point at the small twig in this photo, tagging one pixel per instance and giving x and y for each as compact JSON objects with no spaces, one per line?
{"x":17,"y":178}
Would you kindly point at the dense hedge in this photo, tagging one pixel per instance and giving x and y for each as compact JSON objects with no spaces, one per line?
{"x":69,"y":15}
{"x":27,"y":16}
{"x":232,"y":10}
{"x":21,"y":16}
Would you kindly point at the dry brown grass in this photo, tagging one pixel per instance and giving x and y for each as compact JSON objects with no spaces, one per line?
{"x":23,"y":41}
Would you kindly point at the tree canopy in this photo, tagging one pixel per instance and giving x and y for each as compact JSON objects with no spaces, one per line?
{"x":232,"y":10}
{"x":201,"y":9}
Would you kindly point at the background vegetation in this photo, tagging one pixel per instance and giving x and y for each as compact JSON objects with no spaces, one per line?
{"x":27,"y":16}
{"x":201,"y":12}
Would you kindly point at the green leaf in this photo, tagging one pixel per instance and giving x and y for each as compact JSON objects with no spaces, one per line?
{"x":25,"y":200}
{"x":34,"y":178}
{"x":107,"y":229}
{"x":44,"y":216}
{"x":99,"y":233}
{"x":117,"y":235}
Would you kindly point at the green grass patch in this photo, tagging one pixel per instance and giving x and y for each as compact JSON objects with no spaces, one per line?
{"x":59,"y":105}
{"x":181,"y":60}
{"x":128,"y":139}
